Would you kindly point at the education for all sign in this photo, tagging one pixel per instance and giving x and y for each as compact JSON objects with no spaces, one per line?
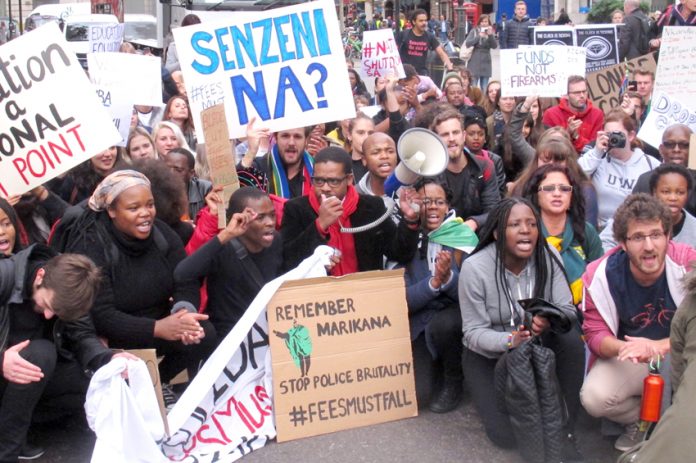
{"x":283,"y":66}
{"x":341,"y":356}
{"x":541,"y":70}
{"x":380,"y":55}
{"x":105,"y":37}
{"x":50,"y":117}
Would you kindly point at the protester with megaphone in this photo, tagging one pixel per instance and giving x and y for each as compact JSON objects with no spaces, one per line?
{"x":321,"y":218}
{"x":471,"y":179}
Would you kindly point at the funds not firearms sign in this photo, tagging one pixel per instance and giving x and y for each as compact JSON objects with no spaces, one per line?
{"x":341,"y":356}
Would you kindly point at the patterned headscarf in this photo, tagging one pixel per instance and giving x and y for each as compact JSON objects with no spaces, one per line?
{"x":113,"y":185}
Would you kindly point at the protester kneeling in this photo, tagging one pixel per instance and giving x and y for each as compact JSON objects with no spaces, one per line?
{"x":513,"y":263}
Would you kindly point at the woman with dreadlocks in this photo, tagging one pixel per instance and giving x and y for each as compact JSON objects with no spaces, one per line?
{"x":511,"y":263}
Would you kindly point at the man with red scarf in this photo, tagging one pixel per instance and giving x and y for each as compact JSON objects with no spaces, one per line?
{"x":317,"y":219}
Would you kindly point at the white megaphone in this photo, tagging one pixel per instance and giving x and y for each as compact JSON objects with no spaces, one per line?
{"x":422,"y":154}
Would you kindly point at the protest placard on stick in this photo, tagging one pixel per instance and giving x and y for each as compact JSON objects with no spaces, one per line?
{"x":284,"y":66}
{"x":601,"y":43}
{"x":541,"y":70}
{"x":50,"y":117}
{"x":223,"y":171}
{"x":341,"y":357}
{"x":380,"y":55}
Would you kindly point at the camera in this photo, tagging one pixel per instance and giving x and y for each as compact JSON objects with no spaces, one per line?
{"x":617,"y":139}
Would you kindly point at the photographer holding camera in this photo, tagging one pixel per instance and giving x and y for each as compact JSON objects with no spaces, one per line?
{"x":615,"y":163}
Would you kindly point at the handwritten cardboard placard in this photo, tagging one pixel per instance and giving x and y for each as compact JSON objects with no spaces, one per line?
{"x":223,"y":171}
{"x":604,"y":86}
{"x":676,"y":70}
{"x":138,"y":76}
{"x":285,"y":66}
{"x":50,"y":117}
{"x":341,"y":356}
{"x":380,"y":55}
{"x":105,"y":37}
{"x":541,"y":70}
{"x":665,"y":111}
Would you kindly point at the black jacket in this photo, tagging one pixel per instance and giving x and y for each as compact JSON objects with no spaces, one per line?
{"x":635,"y":35}
{"x":301,"y":237}
{"x":517,"y":32}
{"x":18,"y":320}
{"x":527,"y":389}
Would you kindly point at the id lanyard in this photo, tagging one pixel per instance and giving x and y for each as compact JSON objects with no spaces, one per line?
{"x":514,"y":305}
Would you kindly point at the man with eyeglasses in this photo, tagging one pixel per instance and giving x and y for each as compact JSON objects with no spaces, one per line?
{"x":334,"y":205}
{"x":674,"y":149}
{"x":631,"y":296}
{"x":576,"y":114}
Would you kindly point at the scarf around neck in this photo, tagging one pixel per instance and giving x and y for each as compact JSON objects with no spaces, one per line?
{"x":344,"y":242}
{"x":279,"y":184}
{"x":573,"y":257}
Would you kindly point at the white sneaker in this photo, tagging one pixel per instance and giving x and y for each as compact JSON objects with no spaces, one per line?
{"x":632,"y":436}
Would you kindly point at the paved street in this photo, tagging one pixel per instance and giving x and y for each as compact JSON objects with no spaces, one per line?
{"x":456,"y":436}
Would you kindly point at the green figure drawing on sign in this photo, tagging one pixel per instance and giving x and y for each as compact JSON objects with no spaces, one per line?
{"x":299,"y":344}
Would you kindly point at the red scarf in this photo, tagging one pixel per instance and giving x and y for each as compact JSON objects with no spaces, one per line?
{"x":344,"y":242}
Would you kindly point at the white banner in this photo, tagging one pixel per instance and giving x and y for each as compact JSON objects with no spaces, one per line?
{"x":120,"y":112}
{"x":665,"y":111}
{"x":284,"y":66}
{"x":105,"y":37}
{"x":138,"y":76}
{"x":226,"y":412}
{"x":380,"y":55}
{"x":50,"y":118}
{"x":541,"y":70}
{"x":676,"y":68}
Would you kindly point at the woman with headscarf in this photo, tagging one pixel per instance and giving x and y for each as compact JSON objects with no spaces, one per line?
{"x":139,"y":306}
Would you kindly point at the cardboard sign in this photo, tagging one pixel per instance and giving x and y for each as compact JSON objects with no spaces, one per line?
{"x":541,"y":70}
{"x":601,"y":43}
{"x":105,"y":37}
{"x":149,"y":356}
{"x":285,"y":66}
{"x":226,"y":411}
{"x":380,"y":55}
{"x":554,"y":35}
{"x":50,"y":118}
{"x":341,"y":356}
{"x":676,"y":71}
{"x":138,"y":76}
{"x":604,"y":86}
{"x":665,"y":111}
{"x":223,"y":171}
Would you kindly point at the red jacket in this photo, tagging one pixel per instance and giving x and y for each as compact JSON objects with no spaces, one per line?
{"x":592,"y":121}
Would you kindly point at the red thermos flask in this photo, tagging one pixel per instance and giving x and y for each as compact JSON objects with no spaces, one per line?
{"x":653,"y":385}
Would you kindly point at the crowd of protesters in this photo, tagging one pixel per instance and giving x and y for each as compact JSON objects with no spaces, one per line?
{"x":552,"y":225}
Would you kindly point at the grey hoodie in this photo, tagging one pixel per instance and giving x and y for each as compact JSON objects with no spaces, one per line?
{"x":486,"y":314}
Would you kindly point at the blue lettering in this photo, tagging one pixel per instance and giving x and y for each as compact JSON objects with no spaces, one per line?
{"x":219,"y":33}
{"x":266,"y":41}
{"x":321,"y":32}
{"x":288,"y":81}
{"x":282,"y":37}
{"x":247,"y":41}
{"x":303,"y":33}
{"x":257,"y":97}
{"x":196,"y":38}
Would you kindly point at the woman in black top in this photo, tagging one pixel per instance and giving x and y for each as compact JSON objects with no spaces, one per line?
{"x":139,"y":305}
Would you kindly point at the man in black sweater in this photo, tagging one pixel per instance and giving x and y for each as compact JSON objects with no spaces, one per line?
{"x":47,"y":340}
{"x":239,"y":261}
{"x":518,"y":30}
